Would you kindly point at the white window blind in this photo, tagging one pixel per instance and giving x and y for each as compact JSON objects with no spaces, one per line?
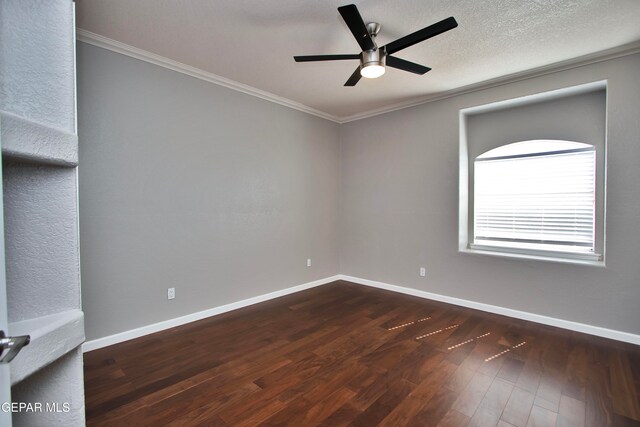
{"x":536,"y":195}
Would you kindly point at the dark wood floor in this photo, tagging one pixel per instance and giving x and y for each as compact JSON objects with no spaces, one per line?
{"x":345,"y":354}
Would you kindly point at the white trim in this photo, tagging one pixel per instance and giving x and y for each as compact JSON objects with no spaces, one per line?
{"x":465,"y":226}
{"x":171,"y":323}
{"x":594,"y":58}
{"x":143,"y":55}
{"x":596,"y":86}
{"x":532,"y":317}
{"x":537,"y":318}
{"x":551,"y":256}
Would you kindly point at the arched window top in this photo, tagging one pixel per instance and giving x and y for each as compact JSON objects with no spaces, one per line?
{"x":534,"y":147}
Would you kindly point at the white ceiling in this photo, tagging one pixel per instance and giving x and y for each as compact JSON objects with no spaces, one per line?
{"x":252,"y":42}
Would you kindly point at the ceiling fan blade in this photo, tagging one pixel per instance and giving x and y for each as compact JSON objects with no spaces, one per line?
{"x":310,"y":58}
{"x":355,"y":78}
{"x":411,"y":67}
{"x":355,"y":23}
{"x":422,"y":35}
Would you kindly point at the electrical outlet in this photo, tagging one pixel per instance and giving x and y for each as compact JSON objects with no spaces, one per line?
{"x":423,"y":272}
{"x":171,"y":293}
{"x":308,"y":262}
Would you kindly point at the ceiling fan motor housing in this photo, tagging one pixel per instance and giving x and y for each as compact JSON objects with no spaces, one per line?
{"x":375,"y":56}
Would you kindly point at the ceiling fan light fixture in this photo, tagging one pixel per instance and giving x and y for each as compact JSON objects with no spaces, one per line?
{"x":372,"y":63}
{"x":372,"y":71}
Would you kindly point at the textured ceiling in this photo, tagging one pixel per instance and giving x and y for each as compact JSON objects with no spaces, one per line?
{"x":252,"y":41}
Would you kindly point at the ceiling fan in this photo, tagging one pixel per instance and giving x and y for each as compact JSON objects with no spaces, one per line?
{"x":373,"y":58}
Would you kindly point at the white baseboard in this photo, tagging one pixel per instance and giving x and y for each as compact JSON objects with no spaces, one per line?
{"x":171,"y":323}
{"x":537,"y":318}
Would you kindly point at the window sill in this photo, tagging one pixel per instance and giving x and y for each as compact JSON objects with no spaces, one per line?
{"x":558,"y":257}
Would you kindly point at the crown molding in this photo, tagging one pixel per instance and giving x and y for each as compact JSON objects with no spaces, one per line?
{"x":152,"y":58}
{"x":143,"y":55}
{"x":581,"y":61}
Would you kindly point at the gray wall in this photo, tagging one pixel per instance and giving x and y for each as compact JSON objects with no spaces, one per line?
{"x":579,"y":118}
{"x":399,"y":208}
{"x":190,"y":185}
{"x":224,"y":196}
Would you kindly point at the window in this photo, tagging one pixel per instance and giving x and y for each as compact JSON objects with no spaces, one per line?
{"x":532,"y":176}
{"x":536,"y":196}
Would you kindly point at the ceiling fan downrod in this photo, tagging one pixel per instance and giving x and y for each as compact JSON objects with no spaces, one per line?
{"x":373,"y":61}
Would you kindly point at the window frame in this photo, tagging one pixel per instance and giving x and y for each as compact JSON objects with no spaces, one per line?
{"x":466,"y":171}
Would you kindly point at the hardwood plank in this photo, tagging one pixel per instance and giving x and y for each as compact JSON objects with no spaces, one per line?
{"x":396,"y":392}
{"x":599,"y":411}
{"x":417,"y":367}
{"x":571,"y":413}
{"x":372,"y":392}
{"x":529,"y":379}
{"x":435,"y":409}
{"x":421,"y":395}
{"x":577,"y":371}
{"x":622,"y":421}
{"x":511,"y":369}
{"x":325,"y":356}
{"x":342,"y":416}
{"x":198,"y":411}
{"x":517,"y":410}
{"x":626,"y":400}
{"x":470,"y":398}
{"x":460,"y":379}
{"x":541,"y":417}
{"x":253,"y":417}
{"x":549,"y":392}
{"x":454,"y":418}
{"x":293,"y":409}
{"x":322,"y":410}
{"x":492,"y":405}
{"x":334,"y":377}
